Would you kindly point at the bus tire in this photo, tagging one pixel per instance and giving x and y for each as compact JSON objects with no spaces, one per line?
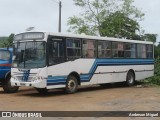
{"x":42,"y":91}
{"x":130,"y":79}
{"x":7,"y":86}
{"x":71,"y":85}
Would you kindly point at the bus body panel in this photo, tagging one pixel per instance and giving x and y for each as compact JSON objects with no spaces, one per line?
{"x":94,"y":71}
{"x":100,"y":71}
{"x":29,"y":77}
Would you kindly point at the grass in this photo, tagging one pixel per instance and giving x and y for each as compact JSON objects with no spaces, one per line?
{"x":155,"y":80}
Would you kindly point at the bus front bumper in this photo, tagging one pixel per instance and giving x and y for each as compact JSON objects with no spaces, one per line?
{"x":36,"y":84}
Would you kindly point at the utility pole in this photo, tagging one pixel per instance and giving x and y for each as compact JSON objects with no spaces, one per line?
{"x":60,"y":6}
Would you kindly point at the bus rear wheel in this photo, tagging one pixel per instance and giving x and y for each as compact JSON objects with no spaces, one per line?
{"x":7,"y":86}
{"x":130,"y":79}
{"x":71,"y":85}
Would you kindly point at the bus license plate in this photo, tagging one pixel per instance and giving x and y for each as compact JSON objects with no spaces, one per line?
{"x":22,"y":84}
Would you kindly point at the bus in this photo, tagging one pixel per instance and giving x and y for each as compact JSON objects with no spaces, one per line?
{"x":46,"y":60}
{"x":5,"y":70}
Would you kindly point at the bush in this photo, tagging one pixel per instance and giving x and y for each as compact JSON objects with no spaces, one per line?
{"x":153,"y":80}
{"x":156,"y":78}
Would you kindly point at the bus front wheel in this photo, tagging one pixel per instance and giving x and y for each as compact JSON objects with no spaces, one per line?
{"x":130,"y":79}
{"x":71,"y":85}
{"x":7,"y":86}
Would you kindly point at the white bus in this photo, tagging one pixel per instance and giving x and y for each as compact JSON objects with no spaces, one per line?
{"x":46,"y":61}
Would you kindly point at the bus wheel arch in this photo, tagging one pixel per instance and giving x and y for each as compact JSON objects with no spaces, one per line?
{"x":75,"y":74}
{"x":130,"y":78}
{"x":73,"y":80}
{"x":7,"y":84}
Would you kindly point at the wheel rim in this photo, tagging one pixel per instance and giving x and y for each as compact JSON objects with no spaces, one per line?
{"x":130,"y":79}
{"x":71,"y":84}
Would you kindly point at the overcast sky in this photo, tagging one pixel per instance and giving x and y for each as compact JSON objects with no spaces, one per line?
{"x":17,"y":15}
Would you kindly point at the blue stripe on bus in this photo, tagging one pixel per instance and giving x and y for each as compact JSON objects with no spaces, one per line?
{"x":113,"y":62}
{"x":100,"y":62}
{"x":58,"y":83}
{"x":56,"y":80}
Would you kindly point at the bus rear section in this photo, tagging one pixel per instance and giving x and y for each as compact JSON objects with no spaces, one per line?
{"x":5,"y":70}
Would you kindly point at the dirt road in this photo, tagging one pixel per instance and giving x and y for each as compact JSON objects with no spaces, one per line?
{"x":94,"y":98}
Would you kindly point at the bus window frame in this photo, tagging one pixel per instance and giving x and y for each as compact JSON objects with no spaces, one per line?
{"x":96,"y":56}
{"x":98,"y":41}
{"x":71,"y":58}
{"x":141,"y":51}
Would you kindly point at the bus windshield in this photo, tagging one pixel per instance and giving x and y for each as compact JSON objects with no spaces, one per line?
{"x":29,"y":54}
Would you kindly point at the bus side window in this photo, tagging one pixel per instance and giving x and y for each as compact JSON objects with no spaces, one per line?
{"x":117,"y":49}
{"x":130,"y":50}
{"x":149,"y":51}
{"x":89,"y":48}
{"x":73,"y":48}
{"x":141,"y":51}
{"x":104,"y":49}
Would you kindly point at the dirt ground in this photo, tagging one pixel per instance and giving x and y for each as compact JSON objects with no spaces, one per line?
{"x":90,"y":98}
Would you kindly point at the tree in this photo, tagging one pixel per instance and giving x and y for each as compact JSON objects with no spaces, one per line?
{"x":121,"y":26}
{"x":156,"y":51}
{"x":150,"y":37}
{"x":95,"y":12}
{"x":2,"y":40}
{"x":7,"y":42}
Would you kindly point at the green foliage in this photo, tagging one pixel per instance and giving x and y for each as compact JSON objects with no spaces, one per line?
{"x":80,"y":26}
{"x":156,"y":78}
{"x":119,"y":25}
{"x":97,"y":12}
{"x":157,"y":51}
{"x":150,"y":37}
{"x":6,"y":41}
{"x":2,"y":41}
{"x":10,"y":40}
{"x":131,"y":11}
{"x":3,"y":38}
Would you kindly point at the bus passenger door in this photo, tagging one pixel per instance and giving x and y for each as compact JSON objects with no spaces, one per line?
{"x":55,"y":50}
{"x":56,"y":56}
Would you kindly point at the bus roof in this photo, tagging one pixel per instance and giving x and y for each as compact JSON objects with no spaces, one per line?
{"x":98,"y":38}
{"x":83,"y":36}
